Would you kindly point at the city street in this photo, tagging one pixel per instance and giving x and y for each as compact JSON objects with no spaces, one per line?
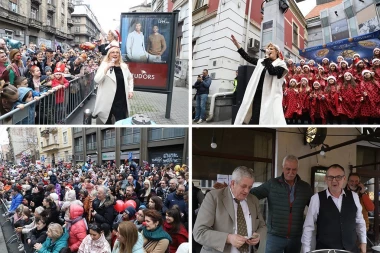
{"x":150,"y":104}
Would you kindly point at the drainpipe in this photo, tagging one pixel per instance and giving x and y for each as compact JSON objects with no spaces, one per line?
{"x":212,"y":106}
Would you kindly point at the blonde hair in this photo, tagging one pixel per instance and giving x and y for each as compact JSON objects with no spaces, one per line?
{"x":55,"y":230}
{"x":121,"y":62}
{"x":147,"y":192}
{"x":276,"y":48}
{"x":129,"y":232}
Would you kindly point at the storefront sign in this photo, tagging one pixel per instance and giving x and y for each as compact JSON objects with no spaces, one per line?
{"x":108,"y":156}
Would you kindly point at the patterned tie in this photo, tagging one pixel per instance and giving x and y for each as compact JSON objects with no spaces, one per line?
{"x":241,"y":226}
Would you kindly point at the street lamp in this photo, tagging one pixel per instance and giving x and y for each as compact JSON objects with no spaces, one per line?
{"x":284,"y":6}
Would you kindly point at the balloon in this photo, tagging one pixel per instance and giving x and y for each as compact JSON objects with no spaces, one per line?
{"x":130,"y":203}
{"x":119,"y":206}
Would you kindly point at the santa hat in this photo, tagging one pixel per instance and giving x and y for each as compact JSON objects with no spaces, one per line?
{"x":340,"y":57}
{"x":115,"y":33}
{"x":290,"y":60}
{"x":316,"y":82}
{"x":306,"y":66}
{"x":333,"y":63}
{"x":348,"y":73}
{"x":343,"y":62}
{"x":320,"y":67}
{"x":325,"y":59}
{"x":302,"y":60}
{"x":331,"y":77}
{"x":60,"y":69}
{"x":357,"y":61}
{"x":311,"y":62}
{"x":358,"y":55}
{"x":280,"y":55}
{"x":366,"y":71}
{"x":293,"y":80}
{"x":70,"y":187}
{"x":304,"y":78}
{"x":375,"y":59}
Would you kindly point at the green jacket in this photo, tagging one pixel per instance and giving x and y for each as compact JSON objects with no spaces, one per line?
{"x":55,"y":247}
{"x":283,"y":220}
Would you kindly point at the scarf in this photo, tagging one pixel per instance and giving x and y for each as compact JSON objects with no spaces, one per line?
{"x":156,"y":234}
{"x":69,"y":223}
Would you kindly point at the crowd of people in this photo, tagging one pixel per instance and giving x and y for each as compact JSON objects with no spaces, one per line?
{"x":29,"y":72}
{"x":332,"y":92}
{"x":97,"y":208}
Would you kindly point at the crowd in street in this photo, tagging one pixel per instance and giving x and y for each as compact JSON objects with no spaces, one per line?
{"x":97,"y":208}
{"x":332,"y":92}
{"x":29,"y":72}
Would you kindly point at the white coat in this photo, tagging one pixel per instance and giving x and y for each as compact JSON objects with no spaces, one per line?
{"x":271,"y":112}
{"x":107,"y":89}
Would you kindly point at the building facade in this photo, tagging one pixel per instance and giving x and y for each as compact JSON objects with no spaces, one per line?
{"x":213,"y":23}
{"x":182,"y":37}
{"x":55,"y":144}
{"x":335,"y":20}
{"x":158,"y":146}
{"x":86,"y":26}
{"x":39,"y":22}
{"x":22,"y":141}
{"x":144,"y":7}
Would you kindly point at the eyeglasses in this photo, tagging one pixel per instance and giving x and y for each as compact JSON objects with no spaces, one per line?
{"x":338,"y":178}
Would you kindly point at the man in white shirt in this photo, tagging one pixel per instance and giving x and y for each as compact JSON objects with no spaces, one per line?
{"x":136,"y":45}
{"x":337,"y":214}
{"x":226,"y":211}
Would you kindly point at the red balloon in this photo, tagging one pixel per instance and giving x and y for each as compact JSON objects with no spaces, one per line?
{"x":119,"y":206}
{"x":130,"y":203}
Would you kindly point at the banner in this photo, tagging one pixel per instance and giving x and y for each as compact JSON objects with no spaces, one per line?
{"x":362,"y":45}
{"x":146,"y":45}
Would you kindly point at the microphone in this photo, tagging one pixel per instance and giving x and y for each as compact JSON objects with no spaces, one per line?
{"x":111,"y":69}
{"x":263,"y":50}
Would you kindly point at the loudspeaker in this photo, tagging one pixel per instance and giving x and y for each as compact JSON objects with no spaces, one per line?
{"x":244,"y":75}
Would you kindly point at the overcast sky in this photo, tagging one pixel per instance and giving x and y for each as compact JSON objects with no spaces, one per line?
{"x":108,"y":11}
{"x":306,"y":6}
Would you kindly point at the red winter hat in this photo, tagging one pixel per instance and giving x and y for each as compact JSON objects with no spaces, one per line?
{"x":116,"y":33}
{"x":60,"y":69}
{"x":357,"y":61}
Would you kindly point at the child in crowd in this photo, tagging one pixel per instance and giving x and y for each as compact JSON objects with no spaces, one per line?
{"x":26,"y":96}
{"x":58,"y":83}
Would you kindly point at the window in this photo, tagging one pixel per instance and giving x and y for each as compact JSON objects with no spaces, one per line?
{"x":326,"y":34}
{"x":91,"y":142}
{"x":64,"y":137}
{"x":55,"y":137}
{"x":199,"y":4}
{"x":49,"y":1}
{"x":49,"y":21}
{"x":295,"y":35}
{"x":67,"y":157}
{"x":77,"y":29}
{"x":76,"y":39}
{"x":352,"y":25}
{"x":130,"y":136}
{"x":165,"y":133}
{"x":42,"y":144}
{"x":78,"y":144}
{"x":13,"y":6}
{"x":8,"y":34}
{"x":109,"y":138}
{"x":34,"y":13}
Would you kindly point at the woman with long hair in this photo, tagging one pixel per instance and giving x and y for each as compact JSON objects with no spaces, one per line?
{"x":155,"y":238}
{"x":262,"y":102}
{"x":16,"y":68}
{"x":51,"y":211}
{"x":95,"y":241}
{"x":146,"y":192}
{"x":174,"y":227}
{"x":350,"y":95}
{"x":156,"y":203}
{"x":129,"y":240}
{"x":115,"y":87}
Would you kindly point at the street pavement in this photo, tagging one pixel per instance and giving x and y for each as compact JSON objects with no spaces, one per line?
{"x":150,"y":104}
{"x":6,"y":231}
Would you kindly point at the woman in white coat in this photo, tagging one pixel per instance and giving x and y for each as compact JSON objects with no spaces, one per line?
{"x":262,"y":102}
{"x":115,"y":87}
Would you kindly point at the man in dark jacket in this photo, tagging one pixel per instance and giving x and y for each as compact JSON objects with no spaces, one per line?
{"x":202,"y":85}
{"x":287,"y":198}
{"x":176,"y":198}
{"x":103,"y":207}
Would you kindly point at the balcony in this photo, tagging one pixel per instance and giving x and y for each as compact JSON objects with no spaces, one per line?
{"x":45,"y":133}
{"x":12,"y":16}
{"x":60,"y":34}
{"x":109,"y":143}
{"x":38,"y":2}
{"x":51,"y":8}
{"x":78,"y":148}
{"x":49,"y":29}
{"x":51,"y":146}
{"x":70,"y":7}
{"x":91,"y":146}
{"x":70,"y":37}
{"x":34,"y":23}
{"x":70,"y":22}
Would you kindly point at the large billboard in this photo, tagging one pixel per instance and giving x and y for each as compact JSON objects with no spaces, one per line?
{"x":147,"y":47}
{"x":363,"y":45}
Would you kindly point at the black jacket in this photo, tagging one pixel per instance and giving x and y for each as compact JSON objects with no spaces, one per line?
{"x":104,"y":213}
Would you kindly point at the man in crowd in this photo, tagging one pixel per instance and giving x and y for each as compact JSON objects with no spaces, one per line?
{"x":163,"y":190}
{"x":202,"y":85}
{"x":16,"y":201}
{"x":182,"y":181}
{"x":287,"y":197}
{"x":337,"y":214}
{"x":229,"y":219}
{"x":173,"y":185}
{"x":176,"y":198}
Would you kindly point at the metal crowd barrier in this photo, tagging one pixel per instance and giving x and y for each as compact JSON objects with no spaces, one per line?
{"x":53,"y":108}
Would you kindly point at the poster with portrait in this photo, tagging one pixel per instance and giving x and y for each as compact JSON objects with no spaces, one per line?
{"x":146,"y":46}
{"x":369,"y":26}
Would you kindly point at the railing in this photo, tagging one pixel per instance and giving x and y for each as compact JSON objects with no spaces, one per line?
{"x":53,"y":108}
{"x":109,"y":143}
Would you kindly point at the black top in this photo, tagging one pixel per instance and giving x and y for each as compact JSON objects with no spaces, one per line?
{"x":336,"y":230}
{"x":120,"y":85}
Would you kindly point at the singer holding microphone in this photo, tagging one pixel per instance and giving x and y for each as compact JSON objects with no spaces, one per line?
{"x":262,"y":102}
{"x":115,"y":87}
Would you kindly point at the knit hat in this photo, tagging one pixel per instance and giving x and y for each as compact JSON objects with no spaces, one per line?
{"x":116,"y":34}
{"x":130,"y":211}
{"x":47,"y":69}
{"x":375,"y":59}
{"x":60,"y":69}
{"x":331,"y":77}
{"x":376,"y":49}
